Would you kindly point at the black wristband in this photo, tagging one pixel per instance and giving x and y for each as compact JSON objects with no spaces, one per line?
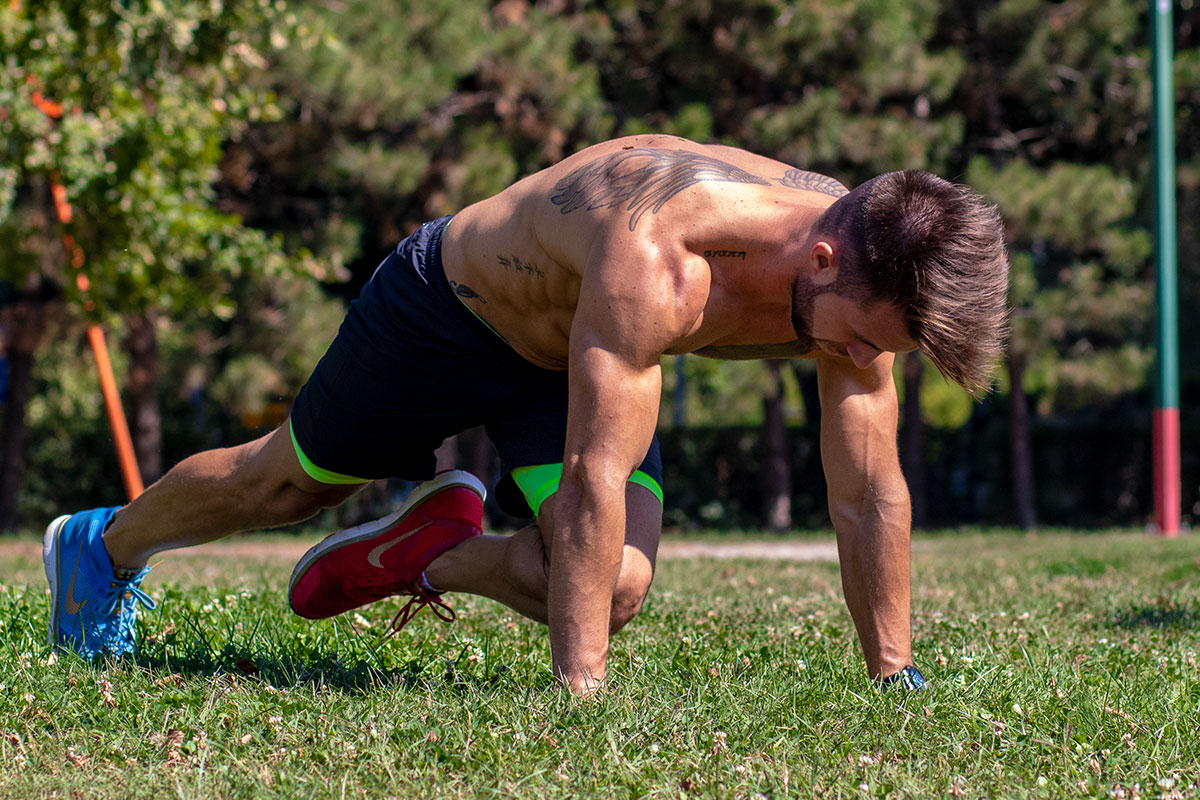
{"x":909,"y":678}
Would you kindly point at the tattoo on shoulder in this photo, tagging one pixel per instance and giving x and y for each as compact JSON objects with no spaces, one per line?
{"x":813,"y":182}
{"x":466,"y":292}
{"x":518,"y":264}
{"x":725,"y":254}
{"x":642,"y":179}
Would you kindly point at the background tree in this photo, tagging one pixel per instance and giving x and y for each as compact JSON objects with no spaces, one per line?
{"x":402,"y":112}
{"x":362,"y":120}
{"x":149,"y":94}
{"x":1057,"y":104}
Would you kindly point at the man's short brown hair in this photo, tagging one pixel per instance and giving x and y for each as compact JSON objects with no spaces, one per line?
{"x":934,"y":250}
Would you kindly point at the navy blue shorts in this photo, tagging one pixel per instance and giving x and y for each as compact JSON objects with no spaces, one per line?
{"x":411,"y":366}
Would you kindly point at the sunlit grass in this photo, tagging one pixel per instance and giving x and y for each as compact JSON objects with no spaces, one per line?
{"x":1062,"y":666}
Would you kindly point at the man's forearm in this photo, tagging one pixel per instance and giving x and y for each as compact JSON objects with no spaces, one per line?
{"x":585,"y":559}
{"x":873,"y":537}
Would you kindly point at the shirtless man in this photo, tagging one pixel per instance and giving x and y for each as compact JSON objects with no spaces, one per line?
{"x":543,"y":313}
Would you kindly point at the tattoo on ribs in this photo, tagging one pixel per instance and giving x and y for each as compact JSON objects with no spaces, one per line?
{"x":642,"y":179}
{"x":466,"y":292}
{"x":813,"y":182}
{"x":520,"y":265}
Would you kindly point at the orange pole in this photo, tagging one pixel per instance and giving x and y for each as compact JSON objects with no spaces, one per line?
{"x":126,"y":457}
{"x":116,"y":414}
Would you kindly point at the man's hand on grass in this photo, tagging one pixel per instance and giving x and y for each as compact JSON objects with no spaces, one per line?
{"x":908,"y":679}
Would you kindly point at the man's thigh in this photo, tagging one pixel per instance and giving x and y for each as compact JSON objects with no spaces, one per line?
{"x":643,"y":526}
{"x":410,"y":366}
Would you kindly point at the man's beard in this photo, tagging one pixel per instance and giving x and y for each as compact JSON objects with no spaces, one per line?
{"x":804,"y":296}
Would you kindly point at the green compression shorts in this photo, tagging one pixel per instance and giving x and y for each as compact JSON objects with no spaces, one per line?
{"x":539,"y":482}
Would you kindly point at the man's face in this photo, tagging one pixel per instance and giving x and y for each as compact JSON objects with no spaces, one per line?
{"x":848,"y":328}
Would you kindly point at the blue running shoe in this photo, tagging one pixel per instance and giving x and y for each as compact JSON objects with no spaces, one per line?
{"x":91,"y":611}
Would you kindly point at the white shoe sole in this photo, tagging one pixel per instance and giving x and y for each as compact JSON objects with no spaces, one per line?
{"x":50,"y":560}
{"x":446,"y":480}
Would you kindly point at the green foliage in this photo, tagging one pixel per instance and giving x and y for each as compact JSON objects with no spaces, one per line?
{"x":401,"y":112}
{"x":341,"y":126}
{"x":1081,"y":307}
{"x":943,"y":404}
{"x":718,"y":392}
{"x":846,"y":88}
{"x":220,"y":378}
{"x":149,"y":94}
{"x":1064,"y":150}
{"x":66,"y":430}
{"x":267,"y":351}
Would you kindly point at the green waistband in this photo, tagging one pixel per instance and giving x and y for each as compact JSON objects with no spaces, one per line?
{"x":481,"y":319}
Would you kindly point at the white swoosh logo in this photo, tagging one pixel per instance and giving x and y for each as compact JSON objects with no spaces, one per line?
{"x":70,"y":604}
{"x":374,"y":556}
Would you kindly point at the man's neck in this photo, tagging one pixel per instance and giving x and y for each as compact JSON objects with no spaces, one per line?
{"x":758,"y":263}
{"x":753,"y":278}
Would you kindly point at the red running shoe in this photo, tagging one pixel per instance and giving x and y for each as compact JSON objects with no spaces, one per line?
{"x":378,"y":559}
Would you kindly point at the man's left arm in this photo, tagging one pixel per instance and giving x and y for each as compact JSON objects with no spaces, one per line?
{"x":869,"y":505}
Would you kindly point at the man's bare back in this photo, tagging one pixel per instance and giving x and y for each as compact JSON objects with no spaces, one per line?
{"x":720,"y":216}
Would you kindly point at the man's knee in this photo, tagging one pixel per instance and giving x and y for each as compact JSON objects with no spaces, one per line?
{"x":275,"y":499}
{"x":289,"y":503}
{"x":269,"y":480}
{"x":633,"y":583}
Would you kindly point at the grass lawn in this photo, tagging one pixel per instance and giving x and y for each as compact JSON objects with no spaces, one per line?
{"x":1062,"y":665}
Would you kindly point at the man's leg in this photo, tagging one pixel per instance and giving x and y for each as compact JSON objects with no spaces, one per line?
{"x":515,"y":569}
{"x":212,"y":494}
{"x":95,"y":560}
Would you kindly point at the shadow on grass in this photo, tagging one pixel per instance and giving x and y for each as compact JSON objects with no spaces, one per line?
{"x":323,"y":670}
{"x":283,"y":671}
{"x":276,"y":660}
{"x":1158,"y":615}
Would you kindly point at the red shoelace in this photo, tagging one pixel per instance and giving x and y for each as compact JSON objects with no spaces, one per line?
{"x":418,"y":601}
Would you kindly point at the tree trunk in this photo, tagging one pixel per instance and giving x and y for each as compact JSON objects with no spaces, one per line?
{"x":26,"y":320}
{"x":912,"y":443}
{"x":777,"y":481}
{"x":809,"y":391}
{"x":1020,"y":445}
{"x":27,"y":325}
{"x":141,"y":344}
{"x":679,"y":396}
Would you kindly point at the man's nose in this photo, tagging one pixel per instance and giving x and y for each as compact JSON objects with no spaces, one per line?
{"x":861,"y":354}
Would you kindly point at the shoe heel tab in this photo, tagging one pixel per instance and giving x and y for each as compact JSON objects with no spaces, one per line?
{"x":52,"y":533}
{"x":455,"y":477}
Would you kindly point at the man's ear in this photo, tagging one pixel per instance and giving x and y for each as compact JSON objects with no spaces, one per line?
{"x":823,"y":263}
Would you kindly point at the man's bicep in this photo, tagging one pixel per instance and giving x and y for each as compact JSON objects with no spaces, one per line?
{"x":612,"y":411}
{"x":859,"y":414}
{"x":634,"y":304}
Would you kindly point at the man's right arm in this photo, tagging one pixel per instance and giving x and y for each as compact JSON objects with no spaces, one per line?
{"x":869,"y":505}
{"x":613,"y":408}
{"x":630,"y":310}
